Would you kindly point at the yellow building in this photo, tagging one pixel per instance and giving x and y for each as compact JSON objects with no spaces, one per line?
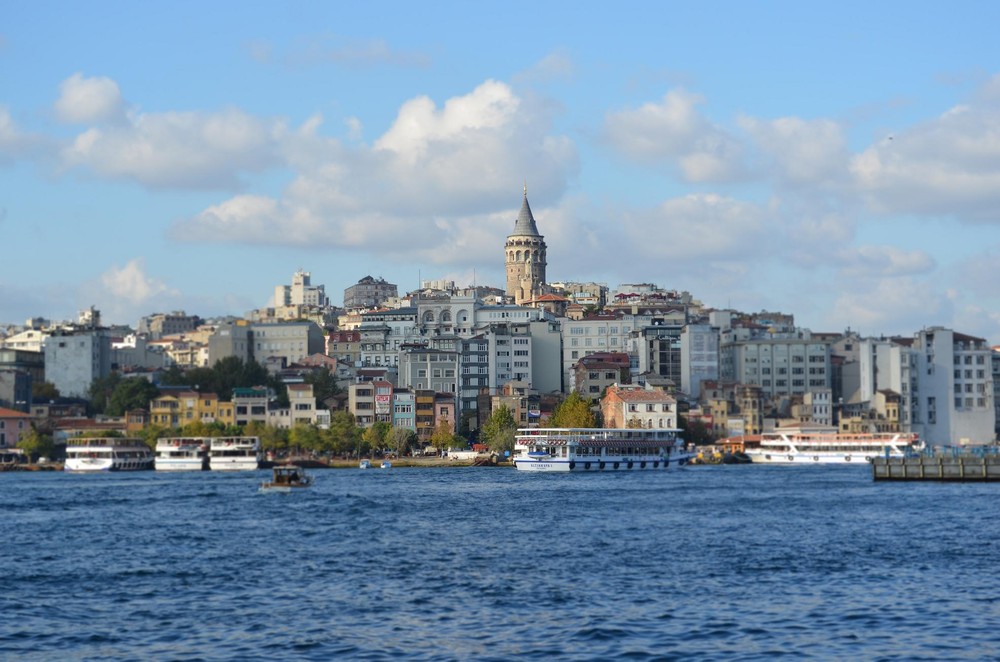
{"x":183,"y":407}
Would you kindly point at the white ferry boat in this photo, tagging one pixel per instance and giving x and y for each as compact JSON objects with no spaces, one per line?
{"x":799,"y":446}
{"x":107,"y":454}
{"x":597,"y":449}
{"x":182,"y":454}
{"x":234,"y":454}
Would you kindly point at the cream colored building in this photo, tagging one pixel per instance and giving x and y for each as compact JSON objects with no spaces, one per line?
{"x":525,"y":257}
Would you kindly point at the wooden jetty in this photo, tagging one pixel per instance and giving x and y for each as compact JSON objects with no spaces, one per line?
{"x":965,"y":467}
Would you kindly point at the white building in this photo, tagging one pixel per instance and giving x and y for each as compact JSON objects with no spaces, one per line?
{"x":699,"y":357}
{"x":29,"y":339}
{"x":600,"y":333}
{"x":945,"y":380}
{"x":74,"y":359}
{"x":780,"y":363}
{"x":301,"y":292}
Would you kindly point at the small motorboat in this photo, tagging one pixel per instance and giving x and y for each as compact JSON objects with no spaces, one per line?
{"x":365,"y":464}
{"x":287,"y":478}
{"x":386,"y":464}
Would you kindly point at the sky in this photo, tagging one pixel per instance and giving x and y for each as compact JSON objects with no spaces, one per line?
{"x":835,"y":161}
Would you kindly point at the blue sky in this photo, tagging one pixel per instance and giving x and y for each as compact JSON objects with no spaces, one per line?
{"x":837,"y":162}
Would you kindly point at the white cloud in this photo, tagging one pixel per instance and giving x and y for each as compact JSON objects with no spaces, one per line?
{"x":949,"y":166}
{"x":179,"y":149}
{"x":553,"y":67}
{"x":14,"y":143}
{"x":429,"y":187}
{"x":801,"y":152}
{"x":672,"y":131}
{"x":89,"y":100}
{"x":884,"y":261}
{"x":697,"y":228}
{"x":889,"y":305}
{"x":132,"y":284}
{"x":354,"y":53}
{"x":125,"y":293}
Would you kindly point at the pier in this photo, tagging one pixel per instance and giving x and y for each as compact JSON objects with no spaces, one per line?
{"x":979,"y":465}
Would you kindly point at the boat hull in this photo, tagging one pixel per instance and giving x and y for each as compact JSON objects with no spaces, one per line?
{"x":234,"y":464}
{"x":177,"y":464}
{"x":565,"y":450}
{"x":604,"y":464}
{"x":778,"y":457}
{"x":89,"y":465}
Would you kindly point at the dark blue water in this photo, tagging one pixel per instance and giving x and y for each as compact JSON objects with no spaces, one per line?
{"x":731,"y":562}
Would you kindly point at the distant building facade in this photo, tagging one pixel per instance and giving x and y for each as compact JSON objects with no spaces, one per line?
{"x":369,"y":293}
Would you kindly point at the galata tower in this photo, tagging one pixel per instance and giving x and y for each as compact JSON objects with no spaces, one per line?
{"x":525,"y":257}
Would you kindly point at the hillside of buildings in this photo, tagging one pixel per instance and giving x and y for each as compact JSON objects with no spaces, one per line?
{"x":434,"y":365}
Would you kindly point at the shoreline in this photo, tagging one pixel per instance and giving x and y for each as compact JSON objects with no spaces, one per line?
{"x":398,"y":463}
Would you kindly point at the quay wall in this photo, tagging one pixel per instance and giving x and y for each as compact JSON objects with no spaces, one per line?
{"x":957,"y":468}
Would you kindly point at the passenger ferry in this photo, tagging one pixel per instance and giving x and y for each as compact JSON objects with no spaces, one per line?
{"x":182,"y":454}
{"x":802,"y":446}
{"x":234,"y":454}
{"x":107,"y":454}
{"x":597,"y":449}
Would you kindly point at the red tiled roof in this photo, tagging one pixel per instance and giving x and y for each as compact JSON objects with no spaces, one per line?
{"x":641,"y":395}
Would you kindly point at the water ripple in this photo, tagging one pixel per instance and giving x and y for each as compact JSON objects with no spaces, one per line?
{"x":720,"y":563}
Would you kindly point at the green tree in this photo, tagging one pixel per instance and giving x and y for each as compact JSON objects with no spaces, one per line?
{"x":695,"y":432}
{"x":401,"y":440}
{"x":36,"y":444}
{"x":377,"y":436}
{"x":131,"y":393}
{"x":173,"y":376}
{"x":573,"y":412}
{"x":273,"y":439}
{"x":195,"y":429}
{"x":203,"y":380}
{"x":153,"y":432}
{"x":324,"y":383}
{"x":443,"y":438}
{"x":305,"y":437}
{"x":44,"y":392}
{"x":101,"y":390}
{"x":345,"y":434}
{"x":227,"y":373}
{"x":499,"y":431}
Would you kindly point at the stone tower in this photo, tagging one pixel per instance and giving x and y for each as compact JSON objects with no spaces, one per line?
{"x":525,"y":257}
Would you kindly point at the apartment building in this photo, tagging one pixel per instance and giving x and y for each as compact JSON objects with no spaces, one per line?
{"x":634,"y":406}
{"x":75,"y":358}
{"x":179,"y":408}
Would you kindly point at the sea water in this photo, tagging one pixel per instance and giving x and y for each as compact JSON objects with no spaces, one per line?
{"x":730,"y":562}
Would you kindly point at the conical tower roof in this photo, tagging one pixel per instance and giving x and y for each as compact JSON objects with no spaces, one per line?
{"x":525,"y":225}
